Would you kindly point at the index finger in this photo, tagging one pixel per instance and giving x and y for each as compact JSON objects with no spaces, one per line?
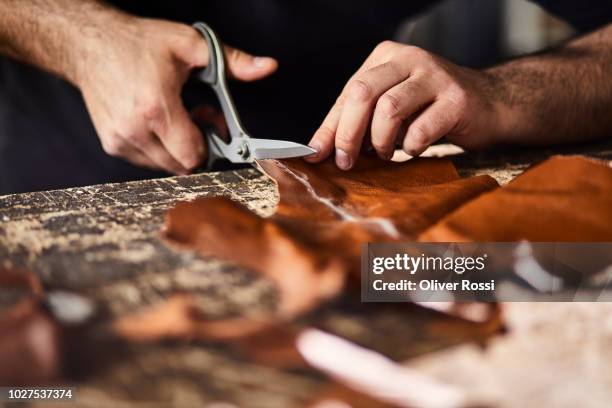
{"x":323,"y":141}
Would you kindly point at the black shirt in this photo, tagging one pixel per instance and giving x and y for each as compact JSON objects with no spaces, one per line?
{"x":47,"y":139}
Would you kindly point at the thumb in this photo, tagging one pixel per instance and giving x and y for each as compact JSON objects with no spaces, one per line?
{"x":246,"y":67}
{"x":240,"y":65}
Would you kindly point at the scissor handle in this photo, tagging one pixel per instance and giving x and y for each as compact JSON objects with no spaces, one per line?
{"x":216,"y":58}
{"x":215,"y":75}
{"x":214,"y":150}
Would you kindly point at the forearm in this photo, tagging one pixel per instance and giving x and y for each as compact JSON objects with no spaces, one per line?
{"x":559,"y":96}
{"x":54,"y":35}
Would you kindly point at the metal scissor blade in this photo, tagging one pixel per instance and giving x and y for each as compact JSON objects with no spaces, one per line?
{"x":262,"y":149}
{"x":238,"y":146}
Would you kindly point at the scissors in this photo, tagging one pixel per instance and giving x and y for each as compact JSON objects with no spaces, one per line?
{"x":240,"y":147}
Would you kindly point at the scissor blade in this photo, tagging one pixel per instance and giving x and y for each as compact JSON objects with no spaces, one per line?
{"x":262,"y":149}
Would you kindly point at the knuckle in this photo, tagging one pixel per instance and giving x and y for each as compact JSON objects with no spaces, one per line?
{"x":386,"y":46}
{"x":113,"y":146}
{"x":185,"y":37}
{"x":458,"y":96}
{"x":192,"y":39}
{"x":190,"y":163}
{"x":394,"y":66}
{"x":188,"y":46}
{"x":324,"y":132}
{"x":194,"y":162}
{"x":191,"y":157}
{"x":152,"y":111}
{"x":392,"y":69}
{"x":438,"y":77}
{"x":344,"y":139}
{"x":411,"y":88}
{"x":136,"y":138}
{"x":235,"y":57}
{"x":150,"y":108}
{"x":415,"y":52}
{"x":188,"y":160}
{"x":340,"y":100}
{"x":127,"y":132}
{"x":232,"y":56}
{"x":389,"y":104}
{"x":360,"y":91}
{"x":381,"y":144}
{"x":441,"y":75}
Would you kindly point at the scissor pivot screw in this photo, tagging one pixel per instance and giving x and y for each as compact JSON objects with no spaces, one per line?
{"x":243,"y":151}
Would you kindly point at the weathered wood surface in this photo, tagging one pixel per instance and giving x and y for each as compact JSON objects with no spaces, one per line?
{"x":103,"y":242}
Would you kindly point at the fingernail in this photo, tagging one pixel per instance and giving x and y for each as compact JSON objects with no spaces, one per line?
{"x":261,"y":62}
{"x":317,"y":147}
{"x":414,"y":152}
{"x":410,"y":148}
{"x":386,"y":155}
{"x":343,"y":161}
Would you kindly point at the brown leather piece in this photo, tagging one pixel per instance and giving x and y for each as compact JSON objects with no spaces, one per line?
{"x":411,"y":195}
{"x":312,"y":243}
{"x":564,"y":199}
{"x":308,"y":248}
{"x":30,"y":340}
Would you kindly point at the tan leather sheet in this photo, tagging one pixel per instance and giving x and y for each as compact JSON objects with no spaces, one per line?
{"x":312,"y":243}
{"x":564,"y":199}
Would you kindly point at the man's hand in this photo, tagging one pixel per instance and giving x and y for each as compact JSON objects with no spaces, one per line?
{"x":131,"y":81}
{"x":130,"y":71}
{"x":403,"y":94}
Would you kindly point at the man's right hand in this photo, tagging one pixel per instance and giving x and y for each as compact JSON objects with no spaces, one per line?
{"x":131,"y":78}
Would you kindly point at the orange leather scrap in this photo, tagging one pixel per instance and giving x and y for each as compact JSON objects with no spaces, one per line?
{"x":564,"y":199}
{"x":30,"y":340}
{"x":312,"y":243}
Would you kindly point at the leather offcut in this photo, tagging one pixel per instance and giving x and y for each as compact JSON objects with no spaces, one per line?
{"x":311,"y":246}
{"x":324,"y":215}
{"x":564,"y":199}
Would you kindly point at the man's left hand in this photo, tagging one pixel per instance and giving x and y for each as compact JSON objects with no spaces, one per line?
{"x":403,"y":94}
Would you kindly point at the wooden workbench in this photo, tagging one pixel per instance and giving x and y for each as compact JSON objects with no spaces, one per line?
{"x":103,"y":242}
